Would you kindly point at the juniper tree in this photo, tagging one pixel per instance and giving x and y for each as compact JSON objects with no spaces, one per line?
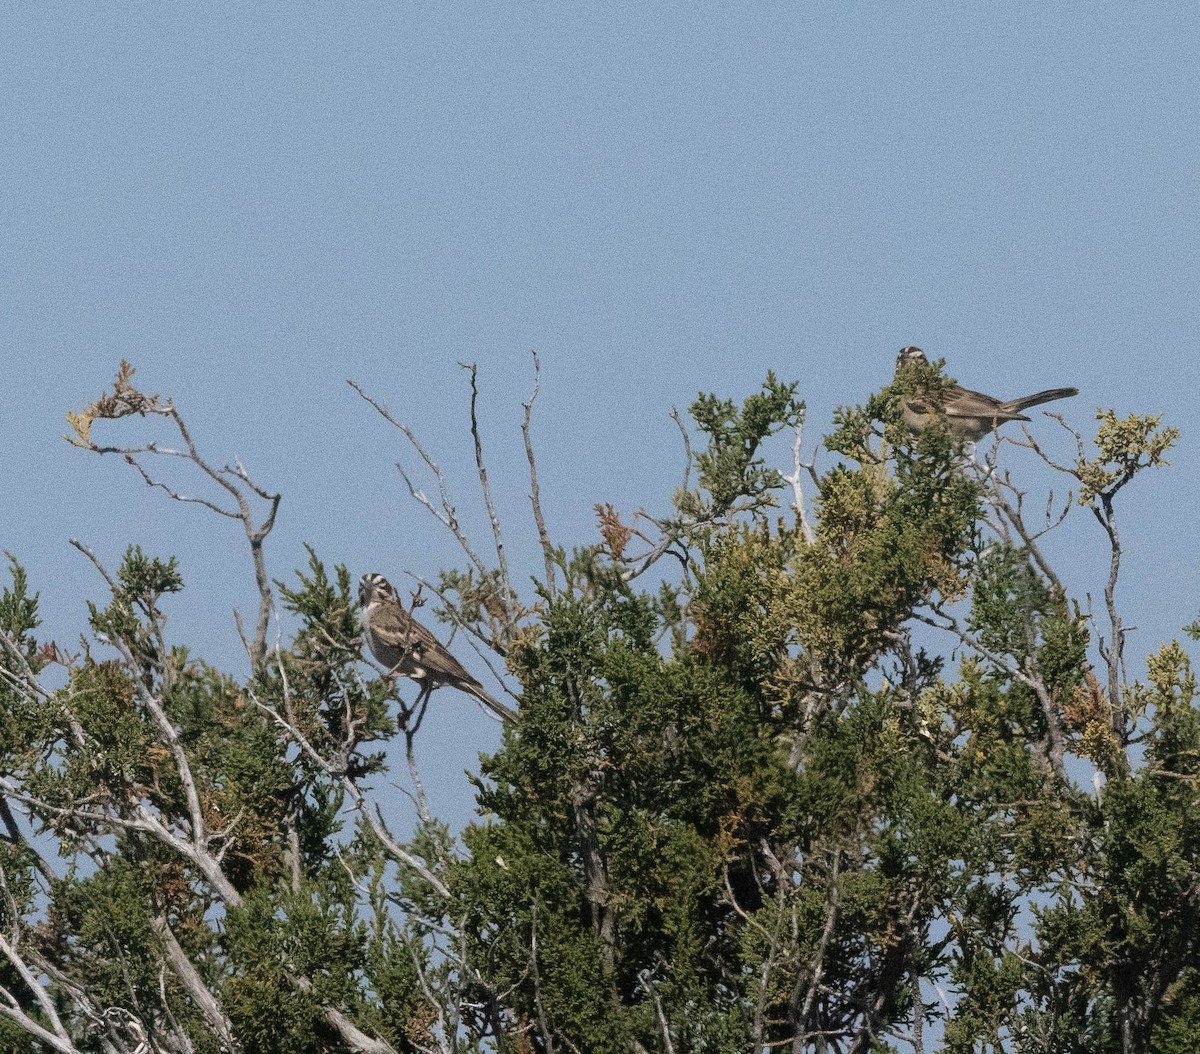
{"x":820,"y":761}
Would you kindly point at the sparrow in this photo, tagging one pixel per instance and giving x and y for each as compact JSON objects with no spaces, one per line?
{"x":965,"y":414}
{"x":399,"y":642}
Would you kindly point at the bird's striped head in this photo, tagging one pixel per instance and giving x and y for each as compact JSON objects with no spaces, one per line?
{"x":373,"y":587}
{"x":910,"y":356}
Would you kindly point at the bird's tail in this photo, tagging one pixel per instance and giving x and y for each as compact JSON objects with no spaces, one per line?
{"x":505,"y":713}
{"x":1047,"y":396}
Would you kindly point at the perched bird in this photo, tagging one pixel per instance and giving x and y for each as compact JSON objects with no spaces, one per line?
{"x":399,"y":642}
{"x":965,"y":414}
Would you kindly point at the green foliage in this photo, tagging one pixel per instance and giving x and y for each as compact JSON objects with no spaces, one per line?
{"x":315,"y":681}
{"x":22,"y":721}
{"x":274,"y":937}
{"x":101,"y":926}
{"x":706,"y":824}
{"x":18,"y":612}
{"x":1126,"y":446}
{"x":731,"y":468}
{"x":746,"y":807}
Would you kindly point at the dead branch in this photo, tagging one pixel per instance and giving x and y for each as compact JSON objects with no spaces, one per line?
{"x":356,"y":796}
{"x":447,"y":516}
{"x":664,"y":1030}
{"x":170,"y":737}
{"x":687,"y":448}
{"x":187,"y":974}
{"x":535,"y":496}
{"x":816,"y":968}
{"x":477,"y":638}
{"x":10,"y":1006}
{"x":125,"y":401}
{"x":543,"y":1024}
{"x":191,"y":846}
{"x":1102,"y":506}
{"x":497,"y":535}
{"x":798,"y":466}
{"x":1010,"y":512}
{"x":1027,"y":675}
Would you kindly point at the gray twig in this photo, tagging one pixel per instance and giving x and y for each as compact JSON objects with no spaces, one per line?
{"x":535,"y":496}
{"x":497,"y":535}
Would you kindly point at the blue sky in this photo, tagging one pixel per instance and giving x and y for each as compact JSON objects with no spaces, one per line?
{"x":254,"y":203}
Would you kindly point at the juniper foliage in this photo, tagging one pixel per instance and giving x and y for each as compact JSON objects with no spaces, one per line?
{"x":878,"y":785}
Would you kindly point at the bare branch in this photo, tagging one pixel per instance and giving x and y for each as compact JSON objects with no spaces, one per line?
{"x":354,"y":1036}
{"x":1013,"y":514}
{"x":1106,"y":517}
{"x":448,"y":516}
{"x":154,"y":707}
{"x":112,"y":582}
{"x":127,"y":400}
{"x":356,"y":796}
{"x":476,"y":638}
{"x":422,"y":802}
{"x":664,"y":1030}
{"x":543,"y":1023}
{"x":687,"y":448}
{"x":193,"y":983}
{"x":158,"y":484}
{"x":60,"y":1039}
{"x":535,"y":496}
{"x":501,"y":559}
{"x":1103,"y":510}
{"x":25,"y":680}
{"x":816,"y":968}
{"x":11,"y":1009}
{"x":1028,"y":677}
{"x":798,"y":466}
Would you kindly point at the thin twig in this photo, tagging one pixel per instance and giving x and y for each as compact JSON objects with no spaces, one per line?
{"x":167,"y":730}
{"x":1031,"y":678}
{"x":448,"y":516}
{"x":128,"y":400}
{"x":1012,"y":512}
{"x":159,"y":485}
{"x":817,"y":966}
{"x":61,"y":1039}
{"x":356,"y":796}
{"x":473,"y":634}
{"x":687,"y":449}
{"x":497,"y":535}
{"x":535,"y":496}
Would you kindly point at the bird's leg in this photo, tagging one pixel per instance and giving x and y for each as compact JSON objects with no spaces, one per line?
{"x":405,"y":713}
{"x":420,"y":705}
{"x":417,"y":707}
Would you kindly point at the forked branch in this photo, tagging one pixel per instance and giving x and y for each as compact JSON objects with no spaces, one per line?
{"x":446,"y":515}
{"x":125,"y":401}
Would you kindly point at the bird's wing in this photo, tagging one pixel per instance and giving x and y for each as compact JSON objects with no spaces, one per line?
{"x":962,"y":402}
{"x":428,"y":659}
{"x":918,"y":403}
{"x":436,"y":658}
{"x":443,"y":668}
